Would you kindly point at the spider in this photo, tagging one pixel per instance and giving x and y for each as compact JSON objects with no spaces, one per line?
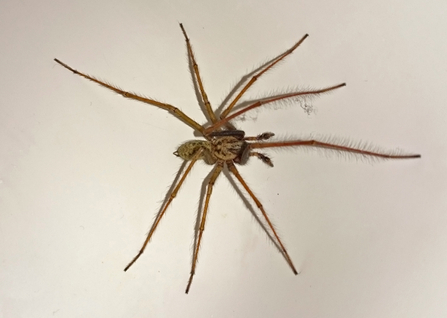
{"x":224,"y":146}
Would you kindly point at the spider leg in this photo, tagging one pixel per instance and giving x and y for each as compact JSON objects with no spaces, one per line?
{"x":234,"y":170}
{"x":172,"y":109}
{"x":332,"y":146}
{"x":272,"y":99}
{"x":215,"y":174}
{"x":165,"y":207}
{"x":268,"y":66}
{"x":206,"y":102}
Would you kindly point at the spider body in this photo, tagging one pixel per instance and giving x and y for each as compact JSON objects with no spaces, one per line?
{"x":224,"y":146}
{"x":221,"y":148}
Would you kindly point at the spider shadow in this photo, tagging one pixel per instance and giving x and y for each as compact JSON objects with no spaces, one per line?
{"x":247,"y":204}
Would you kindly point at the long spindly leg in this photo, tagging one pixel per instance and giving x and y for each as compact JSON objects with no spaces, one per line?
{"x":268,"y":101}
{"x":165,"y":207}
{"x":172,"y":109}
{"x":360,"y":150}
{"x":216,"y":172}
{"x":206,"y":102}
{"x":233,"y":169}
{"x":268,"y":66}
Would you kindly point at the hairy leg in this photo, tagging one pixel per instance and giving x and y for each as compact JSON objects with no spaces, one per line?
{"x":333,"y":146}
{"x":268,"y":100}
{"x":217,"y":171}
{"x":165,"y":207}
{"x":172,"y":109}
{"x":267,"y":67}
{"x":207,"y":103}
{"x":233,"y":169}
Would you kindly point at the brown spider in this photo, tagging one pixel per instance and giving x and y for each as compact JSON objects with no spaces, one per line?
{"x":225,"y":146}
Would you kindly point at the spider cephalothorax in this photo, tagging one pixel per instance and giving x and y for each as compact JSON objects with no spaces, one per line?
{"x":227,"y":147}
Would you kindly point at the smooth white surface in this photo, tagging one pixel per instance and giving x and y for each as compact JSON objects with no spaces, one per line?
{"x":83,"y":170}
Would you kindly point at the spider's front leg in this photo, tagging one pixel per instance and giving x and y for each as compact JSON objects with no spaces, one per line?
{"x":365,"y":151}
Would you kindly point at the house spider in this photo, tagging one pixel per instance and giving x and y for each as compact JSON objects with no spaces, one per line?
{"x":224,"y":145}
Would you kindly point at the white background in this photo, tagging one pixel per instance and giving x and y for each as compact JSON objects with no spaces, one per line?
{"x":83,"y":171}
